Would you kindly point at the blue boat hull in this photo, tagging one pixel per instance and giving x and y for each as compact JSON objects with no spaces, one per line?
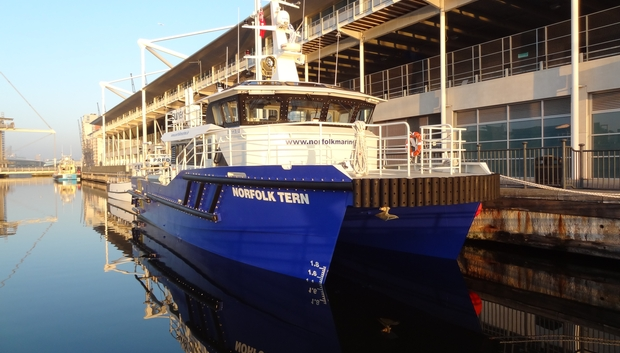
{"x":437,"y":231}
{"x":289,"y":220}
{"x":285,"y":230}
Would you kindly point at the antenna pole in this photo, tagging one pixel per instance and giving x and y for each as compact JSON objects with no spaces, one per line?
{"x":258,"y":43}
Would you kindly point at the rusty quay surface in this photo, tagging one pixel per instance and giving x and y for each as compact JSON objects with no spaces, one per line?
{"x":580,"y":223}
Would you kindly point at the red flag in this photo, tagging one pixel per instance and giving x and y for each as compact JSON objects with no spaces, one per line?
{"x":261,"y":22}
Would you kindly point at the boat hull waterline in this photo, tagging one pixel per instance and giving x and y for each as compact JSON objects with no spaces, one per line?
{"x":289,"y":220}
{"x":66,"y":177}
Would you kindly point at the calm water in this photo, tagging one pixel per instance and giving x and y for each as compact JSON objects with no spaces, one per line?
{"x":75,"y":277}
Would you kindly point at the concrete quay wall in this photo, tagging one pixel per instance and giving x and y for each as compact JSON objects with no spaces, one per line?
{"x":585,"y":223}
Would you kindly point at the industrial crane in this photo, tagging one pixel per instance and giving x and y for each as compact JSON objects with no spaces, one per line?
{"x":7,"y":124}
{"x":10,"y":228}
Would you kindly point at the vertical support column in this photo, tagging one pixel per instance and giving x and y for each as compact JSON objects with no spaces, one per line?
{"x":138,"y":144}
{"x":129,"y":160}
{"x":306,"y":71}
{"x":574,"y":123}
{"x":102,"y":126}
{"x":442,"y":57}
{"x":125,"y":147}
{"x":143,"y":106}
{"x":362,"y":89}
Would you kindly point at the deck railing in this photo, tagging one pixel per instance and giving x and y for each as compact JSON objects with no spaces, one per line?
{"x":387,"y":148}
{"x":27,"y":170}
{"x":559,"y":166}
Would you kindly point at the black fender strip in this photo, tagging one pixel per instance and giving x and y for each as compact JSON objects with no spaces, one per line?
{"x":290,"y":184}
{"x":197,"y":213}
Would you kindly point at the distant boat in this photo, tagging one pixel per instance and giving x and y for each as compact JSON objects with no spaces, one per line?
{"x":67,"y":170}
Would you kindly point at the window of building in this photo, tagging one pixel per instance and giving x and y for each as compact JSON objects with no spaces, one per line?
{"x":539,"y":123}
{"x":526,"y":129}
{"x":606,"y":121}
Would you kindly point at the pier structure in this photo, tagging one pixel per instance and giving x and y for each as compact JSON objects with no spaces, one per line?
{"x":503,"y":71}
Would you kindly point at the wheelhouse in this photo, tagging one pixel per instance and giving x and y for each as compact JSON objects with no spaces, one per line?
{"x":256,"y":103}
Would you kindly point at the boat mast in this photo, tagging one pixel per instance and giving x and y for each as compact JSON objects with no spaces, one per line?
{"x":258,"y":43}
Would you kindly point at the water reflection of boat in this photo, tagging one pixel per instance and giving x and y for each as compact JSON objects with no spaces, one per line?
{"x":121,"y":210}
{"x":417,"y":303}
{"x":223,"y":305}
{"x":66,"y":189}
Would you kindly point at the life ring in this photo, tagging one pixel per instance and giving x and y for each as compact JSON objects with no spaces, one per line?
{"x":415,"y":143}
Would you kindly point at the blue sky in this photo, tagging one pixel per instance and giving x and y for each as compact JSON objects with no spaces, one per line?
{"x":55,"y":54}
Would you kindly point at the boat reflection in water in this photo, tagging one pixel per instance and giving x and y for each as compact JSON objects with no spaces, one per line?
{"x":368,"y":305}
{"x":66,"y":189}
{"x":422,"y":302}
{"x":225,"y":306}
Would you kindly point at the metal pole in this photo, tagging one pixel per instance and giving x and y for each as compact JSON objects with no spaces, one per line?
{"x":362,"y":69}
{"x":524,"y":162}
{"x":581,"y":162}
{"x":103,"y":123}
{"x":442,"y":56}
{"x":258,"y":43}
{"x":143,"y":89}
{"x":574,"y":124}
{"x":562,"y":161}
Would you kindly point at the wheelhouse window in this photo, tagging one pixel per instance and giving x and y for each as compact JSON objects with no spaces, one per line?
{"x":304,"y":110}
{"x":262,"y":109}
{"x":339,"y":112}
{"x":365,"y":114}
{"x":279,"y":108}
{"x":224,"y":113}
{"x":230,"y":112}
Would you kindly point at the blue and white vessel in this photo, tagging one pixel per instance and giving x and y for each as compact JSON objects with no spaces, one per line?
{"x":274,"y":172}
{"x":67,"y":170}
